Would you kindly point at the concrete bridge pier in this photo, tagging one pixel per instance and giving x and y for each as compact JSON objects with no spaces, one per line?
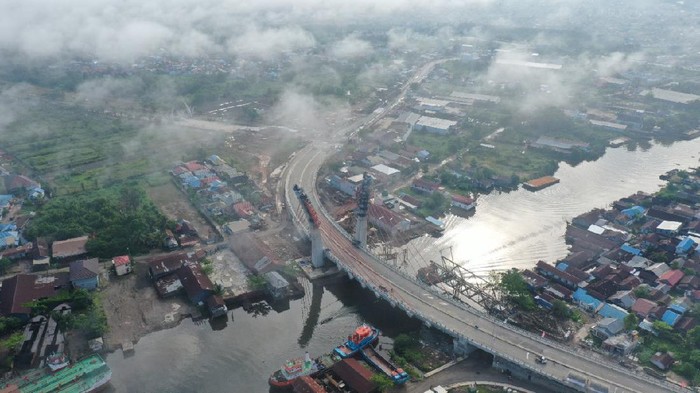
{"x":317,"y":258}
{"x":462,"y":347}
{"x":520,"y":372}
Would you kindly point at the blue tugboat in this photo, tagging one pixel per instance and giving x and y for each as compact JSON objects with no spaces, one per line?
{"x":362,"y":337}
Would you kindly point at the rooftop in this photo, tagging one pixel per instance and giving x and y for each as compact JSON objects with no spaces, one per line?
{"x":70,"y":247}
{"x":84,"y":269}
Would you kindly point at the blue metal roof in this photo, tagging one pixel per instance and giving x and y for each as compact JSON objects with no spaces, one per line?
{"x":633,"y":211}
{"x":632,"y":250}
{"x":612,"y":311}
{"x":582,"y":297}
{"x":670,"y":317}
{"x":562,"y":266}
{"x":685,"y":244}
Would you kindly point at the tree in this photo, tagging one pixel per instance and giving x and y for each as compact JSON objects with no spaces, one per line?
{"x":642,"y":292}
{"x":631,"y":322}
{"x":560,"y":309}
{"x":662,"y":328}
{"x":4,"y":264}
{"x":693,"y":337}
{"x":516,"y":290}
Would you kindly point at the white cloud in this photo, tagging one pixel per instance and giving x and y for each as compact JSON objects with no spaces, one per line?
{"x":351,"y":47}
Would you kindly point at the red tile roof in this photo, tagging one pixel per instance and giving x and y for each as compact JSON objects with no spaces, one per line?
{"x":643,"y":307}
{"x":194,"y":166}
{"x":121,"y":260}
{"x":671,"y":277}
{"x":425,"y":184}
{"x":462,"y":199}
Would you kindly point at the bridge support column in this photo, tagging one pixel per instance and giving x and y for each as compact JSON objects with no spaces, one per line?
{"x":361,"y":231}
{"x":317,"y":259}
{"x":462,"y":347}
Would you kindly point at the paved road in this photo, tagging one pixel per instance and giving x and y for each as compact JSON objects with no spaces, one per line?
{"x":481,"y":330}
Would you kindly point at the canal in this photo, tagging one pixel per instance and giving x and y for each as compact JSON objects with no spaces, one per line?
{"x":508,"y":230}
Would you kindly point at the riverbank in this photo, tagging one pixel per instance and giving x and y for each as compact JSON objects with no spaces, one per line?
{"x":133,"y":309}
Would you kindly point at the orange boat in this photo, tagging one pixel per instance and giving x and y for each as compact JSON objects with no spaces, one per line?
{"x":363,"y":336}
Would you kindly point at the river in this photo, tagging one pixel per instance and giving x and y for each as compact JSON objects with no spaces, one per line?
{"x":508,"y":230}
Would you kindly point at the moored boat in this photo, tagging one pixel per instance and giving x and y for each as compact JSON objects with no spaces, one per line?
{"x":85,"y":376}
{"x":293,"y":369}
{"x":362,"y":337}
{"x":397,"y":375}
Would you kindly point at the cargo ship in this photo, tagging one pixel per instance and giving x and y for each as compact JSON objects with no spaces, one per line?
{"x":397,"y":375}
{"x":85,"y":376}
{"x":362,"y":337}
{"x":299,"y":367}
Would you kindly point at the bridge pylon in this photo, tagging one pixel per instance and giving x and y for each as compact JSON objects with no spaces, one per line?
{"x":317,"y":257}
{"x":363,"y":195}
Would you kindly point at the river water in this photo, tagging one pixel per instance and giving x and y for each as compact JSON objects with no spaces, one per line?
{"x":508,"y":230}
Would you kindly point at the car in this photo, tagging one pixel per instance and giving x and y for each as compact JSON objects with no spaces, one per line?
{"x":541,"y":360}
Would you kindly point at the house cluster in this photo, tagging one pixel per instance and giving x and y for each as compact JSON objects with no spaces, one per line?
{"x":218,"y":192}
{"x":175,"y":273}
{"x":640,"y":257}
{"x":13,"y":190}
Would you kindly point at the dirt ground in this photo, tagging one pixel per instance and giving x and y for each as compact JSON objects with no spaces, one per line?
{"x":134,"y":309}
{"x":175,"y":206}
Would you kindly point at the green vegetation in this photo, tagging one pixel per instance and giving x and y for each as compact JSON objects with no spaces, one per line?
{"x":256,"y":281}
{"x":631,"y":322}
{"x":515,"y":288}
{"x":119,"y":220}
{"x":561,"y":310}
{"x":382,"y":382}
{"x":409,"y":348}
{"x":12,"y":341}
{"x":686,"y":350}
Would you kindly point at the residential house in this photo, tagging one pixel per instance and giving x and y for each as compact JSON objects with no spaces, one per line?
{"x":122,"y":265}
{"x":685,"y":324}
{"x":21,"y":289}
{"x":534,"y":281}
{"x":669,"y":228}
{"x":663,"y":361}
{"x":585,"y":300}
{"x":608,"y":327}
{"x":217,"y":307}
{"x":69,"y":249}
{"x":624,"y":299}
{"x":612,"y":311}
{"x":621,"y":345}
{"x":387,"y":220}
{"x":277,"y":285}
{"x":166,"y":265}
{"x":85,"y":273}
{"x":196,"y":283}
{"x":343,"y":185}
{"x":568,"y":280}
{"x":168,"y":285}
{"x":686,"y":246}
{"x":425,"y":186}
{"x":671,"y":277}
{"x":462,"y":202}
{"x":689,"y":283}
{"x":670,"y":317}
{"x":643,"y":307}
{"x":40,"y":254}
{"x":358,"y":377}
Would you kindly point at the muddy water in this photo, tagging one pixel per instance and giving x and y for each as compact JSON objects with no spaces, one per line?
{"x":518,"y":228}
{"x":507,"y":230}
